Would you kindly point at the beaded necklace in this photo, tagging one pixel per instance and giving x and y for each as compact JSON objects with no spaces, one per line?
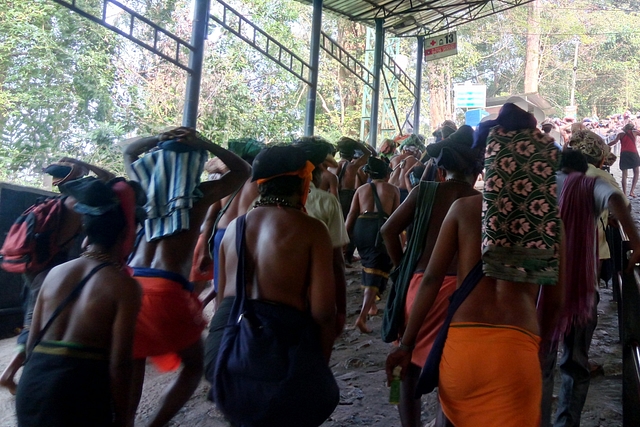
{"x":275,"y":201}
{"x":458,"y":181}
{"x":102,"y":257}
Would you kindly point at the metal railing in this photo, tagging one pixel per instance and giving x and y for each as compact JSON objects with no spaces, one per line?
{"x":626,"y":289}
{"x":234,"y":22}
{"x":137,"y":28}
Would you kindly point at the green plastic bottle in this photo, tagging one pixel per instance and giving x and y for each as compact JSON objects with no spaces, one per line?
{"x":394,"y":392}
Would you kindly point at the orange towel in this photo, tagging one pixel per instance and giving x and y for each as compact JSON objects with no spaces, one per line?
{"x":435,"y":318}
{"x":490,"y":376}
{"x":170,"y":320}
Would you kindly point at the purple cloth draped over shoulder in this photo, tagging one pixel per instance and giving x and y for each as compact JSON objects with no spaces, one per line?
{"x":576,"y":205}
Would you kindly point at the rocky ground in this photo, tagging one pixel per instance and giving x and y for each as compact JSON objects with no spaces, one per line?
{"x":358,"y":364}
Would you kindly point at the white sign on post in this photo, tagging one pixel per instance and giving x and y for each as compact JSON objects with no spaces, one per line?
{"x":440,"y":46}
{"x":470,"y":95}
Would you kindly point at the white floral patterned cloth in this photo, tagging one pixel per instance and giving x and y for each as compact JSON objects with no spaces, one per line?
{"x":521,"y":224}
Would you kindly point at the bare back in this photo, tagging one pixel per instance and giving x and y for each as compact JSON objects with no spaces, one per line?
{"x":174,"y":253}
{"x":279,"y":245}
{"x":446,"y":194}
{"x":241,"y":203}
{"x":388,"y":194}
{"x":400,"y":164}
{"x":90,"y":319}
{"x":329,"y":182}
{"x":492,"y":301}
{"x":349,"y":177}
{"x":288,"y":260}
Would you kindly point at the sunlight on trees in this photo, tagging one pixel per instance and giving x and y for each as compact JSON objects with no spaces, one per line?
{"x":72,"y":87}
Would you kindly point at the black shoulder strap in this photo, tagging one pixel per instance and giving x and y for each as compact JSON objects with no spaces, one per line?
{"x":376,"y":198}
{"x":72,"y":296}
{"x":343,"y":169}
{"x":238,"y":307}
{"x":240,"y":248}
{"x":428,"y":379}
{"x":224,"y":210}
{"x":139,"y":236}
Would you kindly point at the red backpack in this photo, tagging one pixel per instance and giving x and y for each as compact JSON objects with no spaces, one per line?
{"x":30,"y":244}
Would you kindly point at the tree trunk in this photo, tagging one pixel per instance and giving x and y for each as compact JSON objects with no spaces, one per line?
{"x":532,"y":60}
{"x":437,"y":94}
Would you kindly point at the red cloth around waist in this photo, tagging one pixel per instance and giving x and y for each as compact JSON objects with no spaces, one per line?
{"x":170,"y":320}
{"x":430,"y":328}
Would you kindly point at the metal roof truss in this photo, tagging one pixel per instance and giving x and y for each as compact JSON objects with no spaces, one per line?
{"x":404,"y":18}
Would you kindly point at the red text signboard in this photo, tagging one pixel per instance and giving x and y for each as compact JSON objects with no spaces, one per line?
{"x":440,"y":46}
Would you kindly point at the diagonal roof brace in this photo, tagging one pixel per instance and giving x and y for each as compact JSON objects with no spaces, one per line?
{"x":179,"y":51}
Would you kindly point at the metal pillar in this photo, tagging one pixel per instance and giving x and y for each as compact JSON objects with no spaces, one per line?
{"x":418,"y":90}
{"x":377,"y":71}
{"x":314,"y":62}
{"x":196,"y":58}
{"x":367,"y":89}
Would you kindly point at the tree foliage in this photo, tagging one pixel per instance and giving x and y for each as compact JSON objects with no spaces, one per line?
{"x":72,"y":87}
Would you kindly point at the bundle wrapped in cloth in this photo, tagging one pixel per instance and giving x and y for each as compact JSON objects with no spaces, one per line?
{"x":170,"y":177}
{"x":521,"y":223}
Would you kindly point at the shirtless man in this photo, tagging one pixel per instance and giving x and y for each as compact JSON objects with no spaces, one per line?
{"x":65,"y":170}
{"x":498,"y":320}
{"x":288,"y":254}
{"x":323,"y":206}
{"x":162,"y":262}
{"x":461,"y":166}
{"x":80,"y":369}
{"x":349,"y":173}
{"x":400,"y":164}
{"x":372,"y":205}
{"x":329,"y":180}
{"x":236,"y":204}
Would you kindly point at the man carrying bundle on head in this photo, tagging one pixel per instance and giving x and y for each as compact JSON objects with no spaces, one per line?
{"x":410,"y":153}
{"x":350,"y":177}
{"x":79,"y":370}
{"x":325,"y":207}
{"x":170,"y":322}
{"x":372,"y":205}
{"x":425,"y":208}
{"x":494,"y":315}
{"x":222,"y":212}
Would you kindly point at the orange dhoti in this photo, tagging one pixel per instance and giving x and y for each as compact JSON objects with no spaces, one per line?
{"x":430,"y":328}
{"x":490,"y":376}
{"x":170,"y":317}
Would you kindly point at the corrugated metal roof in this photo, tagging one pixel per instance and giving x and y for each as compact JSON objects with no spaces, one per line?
{"x":404,"y":18}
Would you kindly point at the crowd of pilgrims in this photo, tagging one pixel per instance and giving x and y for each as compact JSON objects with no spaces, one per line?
{"x":482,"y":281}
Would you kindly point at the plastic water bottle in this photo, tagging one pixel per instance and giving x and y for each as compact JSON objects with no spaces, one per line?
{"x":394,"y":392}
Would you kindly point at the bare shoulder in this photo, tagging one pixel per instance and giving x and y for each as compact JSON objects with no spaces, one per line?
{"x":466,"y":205}
{"x":125,"y":287}
{"x":313,"y":223}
